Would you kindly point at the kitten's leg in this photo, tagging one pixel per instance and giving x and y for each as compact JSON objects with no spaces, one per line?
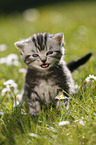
{"x":32,"y":102}
{"x":34,"y":107}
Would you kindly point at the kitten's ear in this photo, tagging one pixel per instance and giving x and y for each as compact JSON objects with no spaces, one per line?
{"x":59,"y":37}
{"x":19,"y":45}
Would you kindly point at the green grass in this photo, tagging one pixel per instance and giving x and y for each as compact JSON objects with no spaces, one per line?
{"x":78,"y":22}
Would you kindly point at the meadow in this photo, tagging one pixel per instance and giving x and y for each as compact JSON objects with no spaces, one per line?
{"x":75,"y":126}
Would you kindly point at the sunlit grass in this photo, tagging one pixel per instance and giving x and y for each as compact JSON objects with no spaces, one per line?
{"x":75,"y":126}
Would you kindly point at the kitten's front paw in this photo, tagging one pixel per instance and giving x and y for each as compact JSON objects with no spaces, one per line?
{"x":34,"y":108}
{"x":34,"y":112}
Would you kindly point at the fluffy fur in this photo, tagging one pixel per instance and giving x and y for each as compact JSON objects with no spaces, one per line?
{"x":47,"y":73}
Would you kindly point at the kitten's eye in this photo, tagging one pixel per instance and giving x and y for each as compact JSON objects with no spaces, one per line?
{"x":50,"y":52}
{"x":35,"y":55}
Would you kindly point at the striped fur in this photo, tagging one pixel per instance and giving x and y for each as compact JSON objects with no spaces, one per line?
{"x":47,"y":73}
{"x":40,"y":41}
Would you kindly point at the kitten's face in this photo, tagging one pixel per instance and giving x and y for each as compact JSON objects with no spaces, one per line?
{"x":42,"y":51}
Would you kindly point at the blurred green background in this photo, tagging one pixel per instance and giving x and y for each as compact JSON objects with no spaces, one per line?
{"x":77,"y":20}
{"x":8,"y":6}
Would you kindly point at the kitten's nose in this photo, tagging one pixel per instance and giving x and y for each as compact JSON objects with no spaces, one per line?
{"x":43,"y":60}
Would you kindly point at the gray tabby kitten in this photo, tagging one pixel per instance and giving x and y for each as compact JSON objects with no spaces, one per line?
{"x":47,"y":73}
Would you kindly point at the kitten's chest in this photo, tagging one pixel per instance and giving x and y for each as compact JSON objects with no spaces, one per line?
{"x":47,"y":90}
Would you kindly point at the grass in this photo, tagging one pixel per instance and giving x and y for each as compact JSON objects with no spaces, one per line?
{"x":78,"y":22}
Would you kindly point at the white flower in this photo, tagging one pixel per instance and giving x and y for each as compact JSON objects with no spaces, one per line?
{"x":33,"y":135}
{"x":39,"y":121}
{"x":3,"y":47}
{"x":4,"y":91}
{"x":64,"y":122}
{"x":50,"y":128}
{"x":61,"y":96}
{"x":19,"y":96}
{"x":9,"y":84}
{"x":76,"y":120}
{"x":31,"y":15}
{"x":22,"y":70}
{"x":90,"y":77}
{"x":11,"y":59}
{"x":68,"y":133}
{"x":77,"y":87}
{"x":29,"y":141}
{"x":1,"y":113}
{"x":16,"y":103}
{"x":3,"y":60}
{"x":82,"y":122}
{"x":23,"y":111}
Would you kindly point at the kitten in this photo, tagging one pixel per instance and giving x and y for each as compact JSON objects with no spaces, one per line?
{"x":47,"y":73}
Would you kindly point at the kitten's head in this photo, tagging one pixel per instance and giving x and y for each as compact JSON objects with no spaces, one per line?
{"x":42,"y":51}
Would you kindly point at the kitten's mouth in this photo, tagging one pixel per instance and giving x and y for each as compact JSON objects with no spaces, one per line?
{"x":44,"y":65}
